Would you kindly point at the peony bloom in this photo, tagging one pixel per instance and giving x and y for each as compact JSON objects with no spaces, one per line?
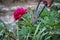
{"x":19,"y":12}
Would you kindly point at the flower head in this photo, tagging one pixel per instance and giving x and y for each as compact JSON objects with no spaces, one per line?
{"x":19,"y":12}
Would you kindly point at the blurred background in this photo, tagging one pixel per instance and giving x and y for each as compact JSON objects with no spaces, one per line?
{"x":7,"y":2}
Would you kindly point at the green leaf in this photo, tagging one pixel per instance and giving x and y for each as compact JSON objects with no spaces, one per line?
{"x":1,"y":26}
{"x":24,"y":31}
{"x":37,"y":29}
{"x":44,"y":34}
{"x":41,"y":31}
{"x":47,"y":38}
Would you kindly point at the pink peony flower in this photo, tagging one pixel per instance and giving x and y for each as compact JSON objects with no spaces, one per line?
{"x":19,"y":12}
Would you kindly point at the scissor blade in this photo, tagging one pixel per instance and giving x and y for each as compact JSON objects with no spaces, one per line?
{"x":34,"y":18}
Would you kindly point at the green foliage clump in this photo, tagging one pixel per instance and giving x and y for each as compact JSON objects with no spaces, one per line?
{"x":47,"y":27}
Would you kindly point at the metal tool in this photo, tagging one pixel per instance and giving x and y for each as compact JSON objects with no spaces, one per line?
{"x":36,"y":15}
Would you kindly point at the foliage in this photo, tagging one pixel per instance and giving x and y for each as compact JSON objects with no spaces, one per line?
{"x":47,"y":27}
{"x":57,"y":1}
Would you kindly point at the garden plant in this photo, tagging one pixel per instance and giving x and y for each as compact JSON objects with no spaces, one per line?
{"x":47,"y":26}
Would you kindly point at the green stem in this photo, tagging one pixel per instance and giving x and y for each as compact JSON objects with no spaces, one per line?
{"x":17,"y":34}
{"x":37,"y":29}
